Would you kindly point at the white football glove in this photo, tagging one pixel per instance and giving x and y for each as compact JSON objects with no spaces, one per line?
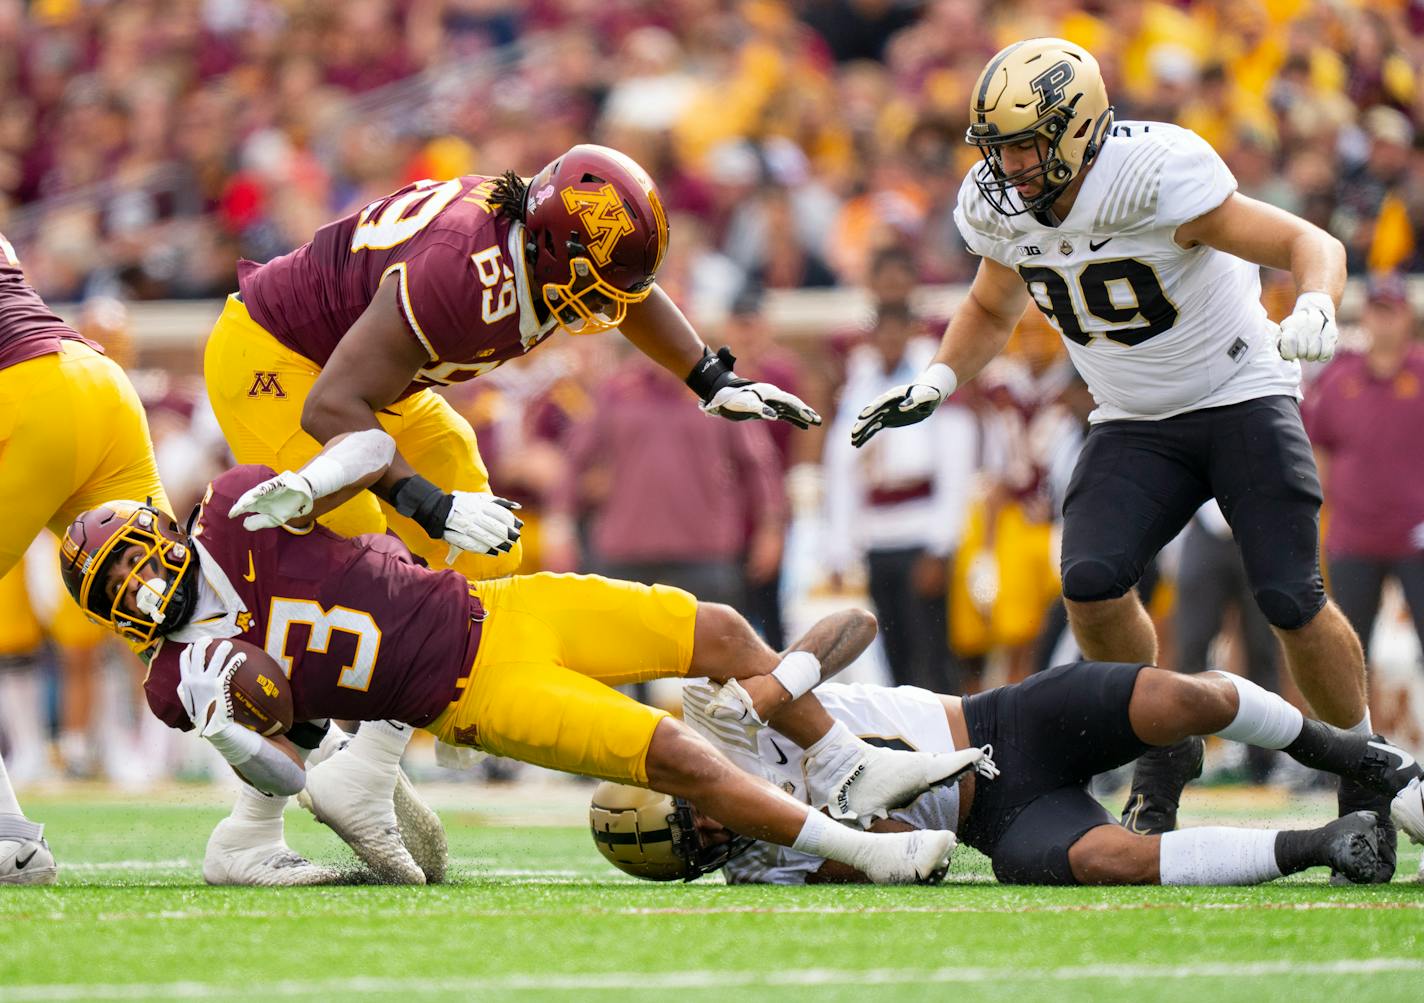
{"x":482,"y":523}
{"x":275,"y":502}
{"x":904,"y":405}
{"x":202,"y":684}
{"x":744,"y":399}
{"x":1309,"y":333}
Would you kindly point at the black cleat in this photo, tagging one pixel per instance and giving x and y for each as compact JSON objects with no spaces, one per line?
{"x":1352,"y":846}
{"x":1353,"y":799}
{"x":1157,"y":783}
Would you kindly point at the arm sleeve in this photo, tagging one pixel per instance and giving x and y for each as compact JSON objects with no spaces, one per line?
{"x":1194,"y":181}
{"x":272,"y":771}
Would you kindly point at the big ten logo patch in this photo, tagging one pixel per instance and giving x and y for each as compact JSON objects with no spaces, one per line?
{"x":604,"y":217}
{"x":266,"y":384}
{"x":268,"y":686}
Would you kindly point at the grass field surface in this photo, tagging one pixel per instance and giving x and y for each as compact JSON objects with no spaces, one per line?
{"x":532,"y":912}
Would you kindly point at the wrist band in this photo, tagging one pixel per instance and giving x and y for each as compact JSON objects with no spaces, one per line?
{"x":416,"y":498}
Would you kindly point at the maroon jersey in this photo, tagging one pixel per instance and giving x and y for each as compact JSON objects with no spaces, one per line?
{"x":363,"y":631}
{"x":451,"y":254}
{"x":28,"y":328}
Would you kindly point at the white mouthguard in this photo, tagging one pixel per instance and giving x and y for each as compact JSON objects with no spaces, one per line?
{"x":150,"y":596}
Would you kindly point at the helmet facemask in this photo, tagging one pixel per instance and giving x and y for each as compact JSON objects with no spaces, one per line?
{"x":587,"y":304}
{"x":161,"y":577}
{"x":656,"y":837}
{"x":1055,"y":172}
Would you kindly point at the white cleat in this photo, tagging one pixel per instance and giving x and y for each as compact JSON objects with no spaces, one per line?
{"x":256,"y":854}
{"x":422,"y":831}
{"x":908,"y":858}
{"x":356,"y":799}
{"x":1407,"y":811}
{"x":883,"y":779}
{"x":25,"y":857}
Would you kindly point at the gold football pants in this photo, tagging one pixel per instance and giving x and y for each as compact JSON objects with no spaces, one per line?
{"x":552,"y":648}
{"x":258,"y":387}
{"x":72,"y":436}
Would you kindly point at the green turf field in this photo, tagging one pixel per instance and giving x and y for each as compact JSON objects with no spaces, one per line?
{"x":532,"y":912}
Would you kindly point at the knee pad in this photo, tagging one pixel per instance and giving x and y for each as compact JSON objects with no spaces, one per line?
{"x":1090,"y":580}
{"x":1291,"y":608}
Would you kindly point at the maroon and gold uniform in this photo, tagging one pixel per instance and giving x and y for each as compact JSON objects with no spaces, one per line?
{"x":72,"y":431}
{"x":520,"y":667}
{"x":465,"y":296}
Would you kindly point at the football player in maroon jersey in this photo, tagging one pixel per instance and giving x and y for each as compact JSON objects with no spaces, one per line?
{"x":436,"y":284}
{"x":520,"y":667}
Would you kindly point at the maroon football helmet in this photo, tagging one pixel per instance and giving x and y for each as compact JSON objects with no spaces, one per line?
{"x":596,"y":234}
{"x":99,"y":538}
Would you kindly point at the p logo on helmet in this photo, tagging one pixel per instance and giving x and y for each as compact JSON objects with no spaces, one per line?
{"x":1049,"y":85}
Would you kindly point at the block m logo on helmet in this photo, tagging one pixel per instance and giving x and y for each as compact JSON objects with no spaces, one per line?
{"x":265,"y":383}
{"x":604,"y":217}
{"x":1049,"y":85}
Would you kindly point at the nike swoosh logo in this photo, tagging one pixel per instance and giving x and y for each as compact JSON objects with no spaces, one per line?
{"x":778,"y":750}
{"x":251,"y":574}
{"x":1093,"y":247}
{"x":21,"y":864}
{"x":1405,"y":759}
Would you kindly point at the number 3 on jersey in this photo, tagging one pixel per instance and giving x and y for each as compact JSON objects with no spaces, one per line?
{"x":285,"y":613}
{"x":1118,"y":292}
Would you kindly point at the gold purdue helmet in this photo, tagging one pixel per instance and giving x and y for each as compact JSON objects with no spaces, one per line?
{"x":654,"y":836}
{"x":1043,"y":89}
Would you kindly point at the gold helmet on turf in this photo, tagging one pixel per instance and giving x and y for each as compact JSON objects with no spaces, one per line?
{"x":654,"y":836}
{"x":1047,"y":91}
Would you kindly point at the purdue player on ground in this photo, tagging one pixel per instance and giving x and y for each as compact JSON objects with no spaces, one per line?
{"x":1031,"y":813}
{"x":1132,"y":239}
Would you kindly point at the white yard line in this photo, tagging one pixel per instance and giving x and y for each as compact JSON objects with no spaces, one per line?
{"x":583,"y":982}
{"x":85,"y":914}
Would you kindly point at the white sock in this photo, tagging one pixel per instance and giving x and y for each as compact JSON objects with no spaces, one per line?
{"x":1363,"y":727}
{"x":1263,"y":719}
{"x":1215,"y":855}
{"x":381,"y":742}
{"x":798,"y":673}
{"x":254,"y":806}
{"x":821,"y":837}
{"x":8,"y":804}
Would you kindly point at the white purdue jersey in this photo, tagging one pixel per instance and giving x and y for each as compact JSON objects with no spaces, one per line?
{"x":1154,"y":328}
{"x":903,"y":717}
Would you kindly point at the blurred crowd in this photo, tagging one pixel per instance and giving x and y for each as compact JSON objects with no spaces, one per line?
{"x":147,"y":145}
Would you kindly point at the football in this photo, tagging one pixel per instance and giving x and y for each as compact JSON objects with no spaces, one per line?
{"x":259,"y":694}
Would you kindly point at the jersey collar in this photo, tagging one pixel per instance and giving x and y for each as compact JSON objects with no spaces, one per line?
{"x":218,"y":607}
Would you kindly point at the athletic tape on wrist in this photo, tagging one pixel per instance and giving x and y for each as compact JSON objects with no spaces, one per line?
{"x":799,"y":672}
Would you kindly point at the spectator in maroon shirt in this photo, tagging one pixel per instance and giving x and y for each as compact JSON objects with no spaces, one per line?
{"x":677,"y":489}
{"x":1364,"y":416}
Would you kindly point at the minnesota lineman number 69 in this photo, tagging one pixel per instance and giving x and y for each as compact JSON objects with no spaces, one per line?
{"x":286,"y":612}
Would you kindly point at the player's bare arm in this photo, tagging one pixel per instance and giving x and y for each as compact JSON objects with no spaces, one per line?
{"x":369,"y":370}
{"x":658,"y":329}
{"x":1268,"y":236}
{"x":977,"y":332}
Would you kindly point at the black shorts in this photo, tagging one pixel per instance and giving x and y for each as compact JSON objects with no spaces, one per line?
{"x":1051,"y":735}
{"x":1137,"y":484}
